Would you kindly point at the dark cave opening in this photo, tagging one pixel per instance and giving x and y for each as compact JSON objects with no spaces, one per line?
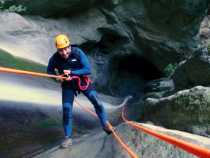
{"x":130,"y":73}
{"x":136,"y":64}
{"x":127,"y":73}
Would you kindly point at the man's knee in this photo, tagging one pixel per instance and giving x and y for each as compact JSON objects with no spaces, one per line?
{"x":94,"y":98}
{"x":97,"y":103}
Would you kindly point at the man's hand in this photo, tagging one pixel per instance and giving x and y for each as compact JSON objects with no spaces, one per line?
{"x":67,"y":73}
{"x":60,"y":79}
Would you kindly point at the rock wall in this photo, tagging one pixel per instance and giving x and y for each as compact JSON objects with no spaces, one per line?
{"x":159,"y":32}
{"x":185,"y":110}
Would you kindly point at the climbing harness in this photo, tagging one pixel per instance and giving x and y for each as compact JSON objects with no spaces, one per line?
{"x":83,"y":82}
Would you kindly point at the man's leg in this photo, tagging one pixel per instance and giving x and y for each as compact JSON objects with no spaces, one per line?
{"x":99,"y":108}
{"x":67,"y":101}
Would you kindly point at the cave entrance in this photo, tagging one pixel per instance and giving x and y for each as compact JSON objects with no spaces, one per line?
{"x":129,"y":74}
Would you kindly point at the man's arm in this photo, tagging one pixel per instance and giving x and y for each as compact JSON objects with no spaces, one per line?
{"x":51,"y":67}
{"x":85,"y":70}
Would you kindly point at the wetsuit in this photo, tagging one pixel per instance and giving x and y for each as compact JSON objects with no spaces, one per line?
{"x":79,"y":65}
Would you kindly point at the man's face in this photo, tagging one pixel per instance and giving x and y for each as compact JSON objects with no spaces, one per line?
{"x":65,"y":52}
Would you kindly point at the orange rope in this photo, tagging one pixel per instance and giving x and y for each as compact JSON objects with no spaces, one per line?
{"x":192,"y":148}
{"x":116,"y":136}
{"x":189,"y":147}
{"x":85,"y":109}
{"x":37,"y":74}
{"x":23,"y":72}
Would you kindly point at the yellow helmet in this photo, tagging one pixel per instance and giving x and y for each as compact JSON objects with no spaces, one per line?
{"x":61,"y":41}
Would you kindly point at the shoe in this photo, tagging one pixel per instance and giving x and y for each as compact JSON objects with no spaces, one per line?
{"x":107,"y":130}
{"x":67,"y":142}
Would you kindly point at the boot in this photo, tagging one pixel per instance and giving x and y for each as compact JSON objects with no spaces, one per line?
{"x":107,"y":130}
{"x":67,"y":142}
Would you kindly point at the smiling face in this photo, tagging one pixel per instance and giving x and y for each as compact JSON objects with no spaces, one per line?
{"x":65,"y":52}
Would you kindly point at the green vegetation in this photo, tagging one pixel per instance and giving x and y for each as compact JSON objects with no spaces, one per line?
{"x":8,"y":60}
{"x":8,"y":6}
{"x":48,"y":123}
{"x":169,"y":69}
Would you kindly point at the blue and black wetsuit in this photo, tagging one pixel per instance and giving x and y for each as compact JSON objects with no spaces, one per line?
{"x":79,"y":65}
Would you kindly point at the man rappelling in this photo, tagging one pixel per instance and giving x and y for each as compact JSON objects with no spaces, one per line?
{"x":72,"y":62}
